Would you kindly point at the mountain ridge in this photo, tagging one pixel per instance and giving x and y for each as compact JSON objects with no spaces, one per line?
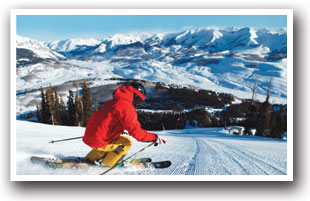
{"x":226,"y":60}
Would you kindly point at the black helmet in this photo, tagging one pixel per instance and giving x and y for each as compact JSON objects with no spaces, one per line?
{"x":141,"y":89}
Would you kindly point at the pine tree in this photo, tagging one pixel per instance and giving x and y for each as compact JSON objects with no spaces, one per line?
{"x":278,"y":123}
{"x":264,"y":119}
{"x":46,"y":115}
{"x":57,"y":109}
{"x":78,"y":110}
{"x":87,"y":103}
{"x":63,"y":113}
{"x":251,"y":117}
{"x":50,"y":105}
{"x":71,"y":114}
{"x":42,"y":108}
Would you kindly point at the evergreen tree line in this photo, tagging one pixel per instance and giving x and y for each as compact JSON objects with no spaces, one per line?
{"x":175,"y":98}
{"x":176,"y":119}
{"x":267,"y":121}
{"x":190,"y":98}
{"x":76,"y":112}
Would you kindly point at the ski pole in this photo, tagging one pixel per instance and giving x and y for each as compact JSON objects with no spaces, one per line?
{"x":122,"y":161}
{"x":74,"y":138}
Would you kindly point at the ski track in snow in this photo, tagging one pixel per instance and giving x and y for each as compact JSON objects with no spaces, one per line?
{"x":205,"y":151}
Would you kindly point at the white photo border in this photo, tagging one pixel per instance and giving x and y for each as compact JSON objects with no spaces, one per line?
{"x":13,"y":145}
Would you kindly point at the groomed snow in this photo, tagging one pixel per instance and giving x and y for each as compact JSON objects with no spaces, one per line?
{"x":195,"y":151}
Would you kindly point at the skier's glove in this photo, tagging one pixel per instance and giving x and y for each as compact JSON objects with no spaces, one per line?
{"x":159,"y":141}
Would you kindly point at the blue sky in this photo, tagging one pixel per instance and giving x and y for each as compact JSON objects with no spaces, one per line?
{"x":57,"y":27}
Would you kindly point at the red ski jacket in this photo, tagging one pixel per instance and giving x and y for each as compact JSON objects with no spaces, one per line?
{"x":113,"y":118}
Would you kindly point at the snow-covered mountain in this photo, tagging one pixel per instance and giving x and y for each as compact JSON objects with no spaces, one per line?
{"x":126,"y":39}
{"x":219,"y":59}
{"x":38,"y":48}
{"x":71,"y":44}
{"x":206,"y":39}
{"x":275,"y":41}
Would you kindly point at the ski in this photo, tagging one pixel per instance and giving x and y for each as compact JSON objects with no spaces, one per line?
{"x":145,"y":163}
{"x":161,"y":164}
{"x":53,"y":162}
{"x":40,"y":159}
{"x":78,"y":162}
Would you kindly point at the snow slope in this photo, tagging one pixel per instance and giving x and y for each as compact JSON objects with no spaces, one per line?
{"x":196,"y":151}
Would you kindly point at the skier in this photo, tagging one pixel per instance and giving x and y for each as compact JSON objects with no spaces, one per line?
{"x":104,"y":129}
